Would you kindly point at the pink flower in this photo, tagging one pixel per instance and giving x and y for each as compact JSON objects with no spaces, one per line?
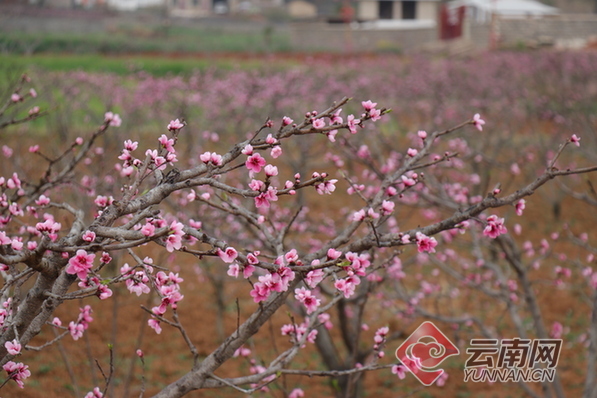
{"x":556,"y":330}
{"x":255,"y":162}
{"x":400,"y":371}
{"x":352,"y":124}
{"x":441,"y":381}
{"x":407,"y":181}
{"x":205,"y":157}
{"x":170,"y":296}
{"x":80,"y":264}
{"x":270,"y":139}
{"x":359,"y":215}
{"x":7,"y":151}
{"x":276,"y":151}
{"x":247,"y":150}
{"x":136,"y":281}
{"x":88,"y":236}
{"x":76,"y":330}
{"x":228,"y":255}
{"x":412,"y":152}
{"x":17,"y":371}
{"x":270,"y":170}
{"x":298,"y":331}
{"x":15,"y":97}
{"x":256,"y":185}
{"x":130,"y":145}
{"x":292,"y":257}
{"x":478,"y":122}
{"x":103,"y":291}
{"x":17,"y":243}
{"x":371,"y":213}
{"x":248,"y":270}
{"x":314,"y":277}
{"x":242,"y":352}
{"x":233,"y":270}
{"x":326,"y":187}
{"x":325,"y":320}
{"x":49,"y":226}
{"x":306,"y":297}
{"x":175,"y":125}
{"x":286,"y":121}
{"x":148,"y":229}
{"x":15,"y":209}
{"x":593,"y":281}
{"x":333,"y":254}
{"x":5,"y":240}
{"x":174,"y":239}
{"x":387,"y":207}
{"x":520,"y":206}
{"x":155,"y":325}
{"x":382,"y":332}
{"x":43,"y":200}
{"x":375,"y":114}
{"x":263,"y":199}
{"x":105,"y":259}
{"x":358,"y":263}
{"x":262,"y":289}
{"x":113,"y":119}
{"x":216,"y":159}
{"x":368,"y":105}
{"x":85,"y":316}
{"x":425,"y":243}
{"x":318,"y":124}
{"x":575,"y":140}
{"x":296,"y":393}
{"x":167,"y":143}
{"x":413,"y":364}
{"x":422,"y":134}
{"x":363,"y":152}
{"x":252,"y":258}
{"x":336,"y":118}
{"x":347,"y":286}
{"x":13,"y":347}
{"x":96,"y":393}
{"x":332,"y":135}
{"x":495,"y":227}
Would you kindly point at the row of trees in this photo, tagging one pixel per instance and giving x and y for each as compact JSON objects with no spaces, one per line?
{"x":373,"y":231}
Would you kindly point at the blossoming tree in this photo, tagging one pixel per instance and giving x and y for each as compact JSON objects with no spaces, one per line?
{"x":68,"y":245}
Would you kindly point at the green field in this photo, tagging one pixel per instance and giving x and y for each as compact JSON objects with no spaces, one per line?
{"x":163,"y":39}
{"x":158,"y":65}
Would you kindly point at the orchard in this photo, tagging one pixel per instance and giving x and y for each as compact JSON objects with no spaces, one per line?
{"x":282,"y":231}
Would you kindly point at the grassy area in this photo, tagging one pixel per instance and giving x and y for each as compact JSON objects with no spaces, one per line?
{"x":149,"y":39}
{"x":158,"y":49}
{"x":160,"y":65}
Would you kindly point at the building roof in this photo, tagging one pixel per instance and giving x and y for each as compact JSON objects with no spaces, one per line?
{"x":510,"y":7}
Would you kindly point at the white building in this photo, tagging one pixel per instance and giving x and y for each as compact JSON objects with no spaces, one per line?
{"x":416,"y":11}
{"x":131,"y":5}
{"x":480,"y":11}
{"x":119,"y":5}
